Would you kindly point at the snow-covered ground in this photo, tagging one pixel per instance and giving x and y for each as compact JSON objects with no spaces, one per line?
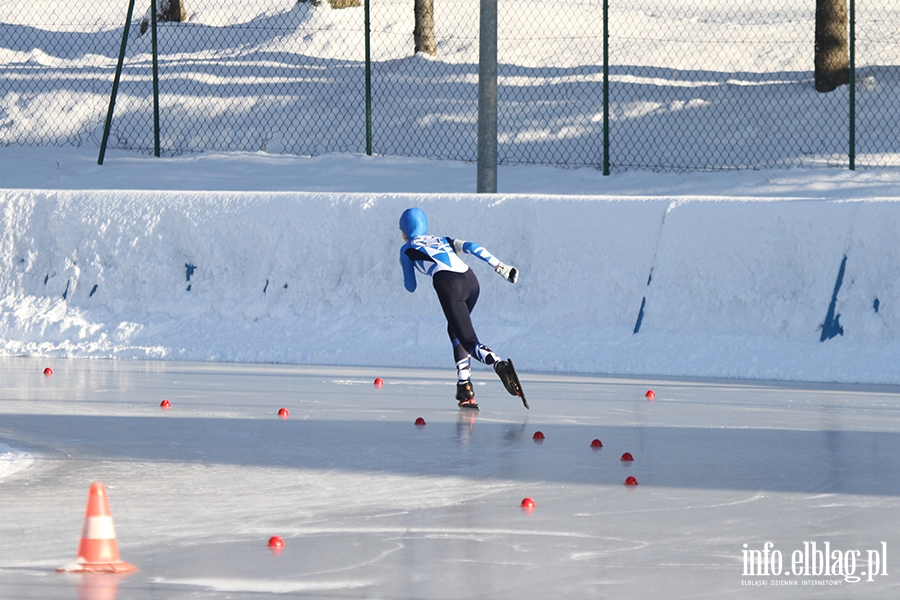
{"x":67,"y":168}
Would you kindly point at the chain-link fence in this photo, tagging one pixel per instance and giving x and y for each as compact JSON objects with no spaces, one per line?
{"x":878,"y":84}
{"x":721,"y":85}
{"x":693,"y":84}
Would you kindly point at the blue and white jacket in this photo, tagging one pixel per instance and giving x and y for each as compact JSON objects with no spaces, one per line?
{"x":430,"y":254}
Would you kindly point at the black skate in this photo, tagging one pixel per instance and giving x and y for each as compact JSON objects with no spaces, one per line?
{"x":507,"y":373}
{"x":465,"y":394}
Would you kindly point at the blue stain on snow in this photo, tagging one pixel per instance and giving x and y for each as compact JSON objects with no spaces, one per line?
{"x":285,"y":286}
{"x":637,"y":325}
{"x":188,"y":271}
{"x":832,"y":325}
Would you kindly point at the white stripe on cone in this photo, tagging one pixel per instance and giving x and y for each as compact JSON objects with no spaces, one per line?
{"x":98,"y":528}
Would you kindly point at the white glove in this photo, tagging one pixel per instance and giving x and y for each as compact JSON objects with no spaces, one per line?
{"x":509,"y":273}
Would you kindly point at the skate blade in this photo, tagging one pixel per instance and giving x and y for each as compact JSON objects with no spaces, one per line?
{"x":515,"y":379}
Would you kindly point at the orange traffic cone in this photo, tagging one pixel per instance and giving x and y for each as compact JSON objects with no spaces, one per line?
{"x":98,"y":551}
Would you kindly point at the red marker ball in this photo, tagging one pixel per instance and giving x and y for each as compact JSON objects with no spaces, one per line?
{"x":420,"y":422}
{"x":48,"y":371}
{"x":650,"y":395}
{"x":379,"y":382}
{"x":538,"y":436}
{"x":596,"y":444}
{"x":276,"y":542}
{"x":627,"y":456}
{"x":283,"y":413}
{"x":631,"y":480}
{"x":165,"y":405}
{"x":527,"y":504}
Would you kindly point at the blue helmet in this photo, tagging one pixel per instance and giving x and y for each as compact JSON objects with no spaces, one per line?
{"x":413,"y":222}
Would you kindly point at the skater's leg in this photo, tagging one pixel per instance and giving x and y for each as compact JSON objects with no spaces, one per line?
{"x":464,"y":389}
{"x":465,"y":393}
{"x":458,"y":293}
{"x":463,"y":364}
{"x":484,"y":354}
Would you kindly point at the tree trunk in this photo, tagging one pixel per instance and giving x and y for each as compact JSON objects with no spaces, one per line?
{"x":832,"y":58}
{"x":424,"y":30}
{"x":170,"y":10}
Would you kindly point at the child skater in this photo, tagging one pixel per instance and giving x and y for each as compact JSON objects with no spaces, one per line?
{"x":457,"y":290}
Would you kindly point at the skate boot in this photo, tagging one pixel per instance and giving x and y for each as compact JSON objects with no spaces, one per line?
{"x":502,"y":368}
{"x":465,"y":394}
{"x":507,"y":373}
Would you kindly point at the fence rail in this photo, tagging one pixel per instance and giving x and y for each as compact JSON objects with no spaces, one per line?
{"x":692,"y":84}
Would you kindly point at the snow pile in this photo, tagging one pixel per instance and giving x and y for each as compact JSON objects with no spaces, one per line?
{"x":12,"y":461}
{"x":743,"y":288}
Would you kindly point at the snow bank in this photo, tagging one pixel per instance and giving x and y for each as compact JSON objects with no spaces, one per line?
{"x":778,"y":289}
{"x":12,"y":461}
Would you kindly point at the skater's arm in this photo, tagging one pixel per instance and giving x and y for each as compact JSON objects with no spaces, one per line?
{"x":508,"y":272}
{"x":409,"y":273}
{"x":461,"y":247}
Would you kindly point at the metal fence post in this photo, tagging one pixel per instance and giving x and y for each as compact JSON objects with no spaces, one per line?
{"x":115,"y":88}
{"x":487,"y":98}
{"x":368,"y":79}
{"x":606,"y":87}
{"x":155,"y":78}
{"x":852,"y":85}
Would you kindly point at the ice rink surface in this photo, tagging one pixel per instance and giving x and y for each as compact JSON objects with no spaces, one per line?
{"x":372,"y":506}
